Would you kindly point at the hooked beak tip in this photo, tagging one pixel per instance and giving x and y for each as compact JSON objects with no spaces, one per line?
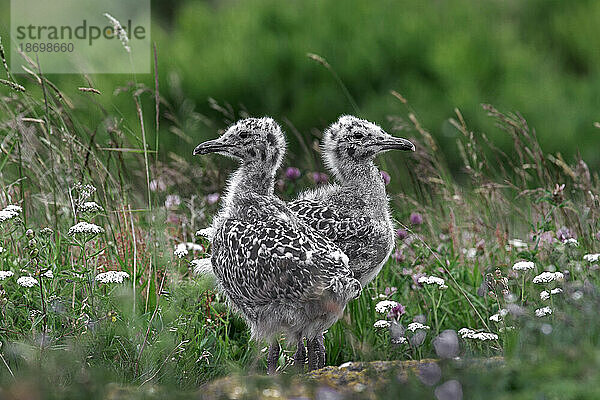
{"x":399,"y":144}
{"x":210,"y":146}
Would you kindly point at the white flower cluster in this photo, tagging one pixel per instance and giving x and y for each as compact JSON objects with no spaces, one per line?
{"x":433,"y":280}
{"x":467,"y":333}
{"x":382,"y":323}
{"x":414,"y":326}
{"x":547,"y":277}
{"x":181,"y":250}
{"x":523,"y":266}
{"x":112,"y":277}
{"x":46,"y":231}
{"x":571,"y":242}
{"x":27,"y":281}
{"x":542,"y":312}
{"x":592,"y":257}
{"x":499,"y":315}
{"x":385,"y":306}
{"x":10,"y":212}
{"x":1,"y":249}
{"x":399,"y":340}
{"x":207,"y":233}
{"x":90,"y":207}
{"x":544,"y":295}
{"x":85,"y":228}
{"x":48,"y":274}
{"x":5,"y":274}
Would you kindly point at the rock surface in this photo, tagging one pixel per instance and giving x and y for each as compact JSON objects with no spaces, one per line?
{"x":331,"y":383}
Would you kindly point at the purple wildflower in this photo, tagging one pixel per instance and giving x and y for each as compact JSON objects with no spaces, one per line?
{"x":564,"y":234}
{"x":388,"y":291}
{"x":173,"y":219}
{"x":172,"y":202}
{"x":386,"y":177}
{"x":319,"y":177}
{"x":292,"y":173}
{"x":598,"y":235}
{"x":402,"y":234}
{"x":480,"y":246}
{"x":397,"y":311}
{"x":212,"y":198}
{"x":416,"y":218}
{"x":398,"y":256}
{"x":158,"y":185}
{"x":547,"y":237}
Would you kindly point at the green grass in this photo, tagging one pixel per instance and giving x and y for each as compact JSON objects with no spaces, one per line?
{"x":164,"y":331}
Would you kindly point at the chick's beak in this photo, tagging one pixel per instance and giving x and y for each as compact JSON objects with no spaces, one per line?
{"x":395,"y":143}
{"x":211,"y":146}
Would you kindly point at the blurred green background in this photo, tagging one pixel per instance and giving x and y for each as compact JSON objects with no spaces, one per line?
{"x":538,"y":57}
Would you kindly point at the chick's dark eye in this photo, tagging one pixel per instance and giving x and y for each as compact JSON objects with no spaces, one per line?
{"x":244,"y":135}
{"x":358,"y":135}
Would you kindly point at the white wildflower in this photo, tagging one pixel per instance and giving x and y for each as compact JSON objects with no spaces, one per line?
{"x":542,"y":312}
{"x":523,"y":266}
{"x":120,"y":32}
{"x":544,"y":295}
{"x":90,"y":207}
{"x":517,"y":244}
{"x":5,"y":274}
{"x":27,"y":281}
{"x":194,"y":246}
{"x":382,"y":323}
{"x":13,"y":208}
{"x":571,"y":242}
{"x":202,"y":266}
{"x":546,"y":277}
{"x":48,"y":274}
{"x":85,"y":228}
{"x":1,"y":249}
{"x":7,"y":215}
{"x":433,"y":280}
{"x":207,"y":233}
{"x":385,"y":306}
{"x":414,"y":326}
{"x":181,"y":250}
{"x":499,"y":315}
{"x":46,"y":231}
{"x":112,"y":277}
{"x":467,"y":333}
{"x":471,"y":253}
{"x":399,"y":340}
{"x":592,"y":257}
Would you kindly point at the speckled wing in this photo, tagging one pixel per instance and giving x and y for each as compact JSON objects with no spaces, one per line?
{"x":348,"y":233}
{"x":262,"y":262}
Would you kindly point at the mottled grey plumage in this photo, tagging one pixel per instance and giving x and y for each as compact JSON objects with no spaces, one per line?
{"x":275,"y":270}
{"x":354,"y":213}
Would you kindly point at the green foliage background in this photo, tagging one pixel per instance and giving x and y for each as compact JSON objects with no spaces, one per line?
{"x":537,"y":57}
